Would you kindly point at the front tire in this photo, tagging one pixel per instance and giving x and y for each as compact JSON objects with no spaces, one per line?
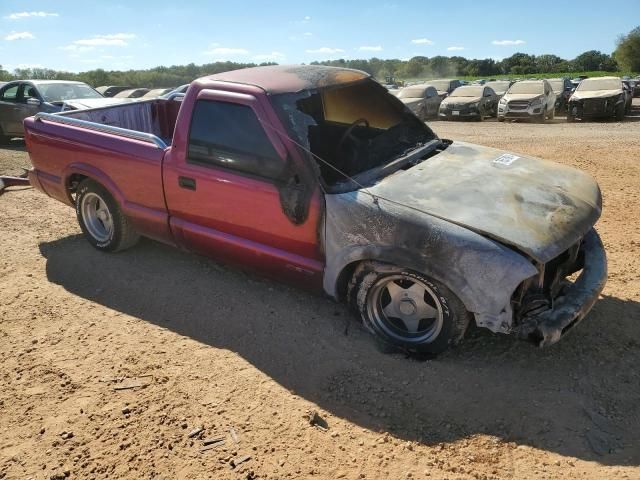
{"x":619,"y":114}
{"x":101,"y":220}
{"x":406,"y":309}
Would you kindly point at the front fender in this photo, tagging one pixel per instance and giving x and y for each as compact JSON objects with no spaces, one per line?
{"x":481,"y":272}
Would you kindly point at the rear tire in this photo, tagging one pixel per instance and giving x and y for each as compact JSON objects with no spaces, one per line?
{"x":570,"y":118}
{"x":104,"y":225}
{"x":407,"y":310}
{"x":500,"y":119}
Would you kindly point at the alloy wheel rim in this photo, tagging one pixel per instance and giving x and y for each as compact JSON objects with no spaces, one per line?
{"x":406,"y":309}
{"x":97,"y":217}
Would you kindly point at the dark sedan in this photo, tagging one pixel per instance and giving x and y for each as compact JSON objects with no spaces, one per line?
{"x":23,"y":98}
{"x":563,"y":88}
{"x":470,"y":101}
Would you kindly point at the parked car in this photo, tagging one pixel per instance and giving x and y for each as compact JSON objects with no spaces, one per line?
{"x":112,"y":90}
{"x":529,"y":99}
{"x":22,"y":98}
{"x":84,"y":104}
{"x":499,"y":86}
{"x":180,"y":89}
{"x":470,"y":101}
{"x":157,"y":92}
{"x":445,"y":86}
{"x":423,"y":100}
{"x":133,"y":93}
{"x":563,"y":88}
{"x":317,"y":175}
{"x":598,"y":97}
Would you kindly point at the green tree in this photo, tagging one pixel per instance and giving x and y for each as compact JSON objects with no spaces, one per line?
{"x":627,"y":53}
{"x":594,"y":60}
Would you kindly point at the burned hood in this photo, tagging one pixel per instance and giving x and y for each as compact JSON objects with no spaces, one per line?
{"x":539,"y":207}
{"x":577,"y":95}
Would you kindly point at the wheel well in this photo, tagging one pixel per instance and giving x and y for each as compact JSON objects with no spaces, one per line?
{"x":342,"y":283}
{"x":73,"y":181}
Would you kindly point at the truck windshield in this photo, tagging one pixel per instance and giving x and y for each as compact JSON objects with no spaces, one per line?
{"x":352,"y":128}
{"x":59,"y":92}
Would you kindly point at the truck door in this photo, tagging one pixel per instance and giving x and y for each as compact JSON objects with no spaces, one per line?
{"x":222,"y":190}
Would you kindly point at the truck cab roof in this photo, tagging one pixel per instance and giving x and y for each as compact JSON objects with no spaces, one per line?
{"x":276,"y":79}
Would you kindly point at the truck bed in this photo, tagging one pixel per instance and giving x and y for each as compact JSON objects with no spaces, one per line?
{"x":156,"y":117}
{"x":119,"y":146}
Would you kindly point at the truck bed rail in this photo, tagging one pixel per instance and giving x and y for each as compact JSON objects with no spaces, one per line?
{"x":123,"y":132}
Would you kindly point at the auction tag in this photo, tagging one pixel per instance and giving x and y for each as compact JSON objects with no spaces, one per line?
{"x":506,"y":159}
{"x":455,"y":112}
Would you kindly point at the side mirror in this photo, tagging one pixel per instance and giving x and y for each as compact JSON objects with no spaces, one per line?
{"x":33,"y":101}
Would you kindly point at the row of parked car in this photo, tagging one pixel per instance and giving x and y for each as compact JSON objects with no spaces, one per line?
{"x":23,"y":98}
{"x":535,"y":99}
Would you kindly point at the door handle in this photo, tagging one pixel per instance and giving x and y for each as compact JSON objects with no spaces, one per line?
{"x":186,"y":182}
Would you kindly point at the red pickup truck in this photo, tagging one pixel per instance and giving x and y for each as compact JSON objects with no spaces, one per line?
{"x":318,"y":175}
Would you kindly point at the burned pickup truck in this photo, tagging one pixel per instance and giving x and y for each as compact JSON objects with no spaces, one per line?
{"x":319,"y":176}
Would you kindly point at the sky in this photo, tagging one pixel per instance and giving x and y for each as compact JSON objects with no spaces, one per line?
{"x":80,"y":35}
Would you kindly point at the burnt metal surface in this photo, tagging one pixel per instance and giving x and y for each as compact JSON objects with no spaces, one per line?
{"x":480,"y":271}
{"x":537,"y":206}
{"x":575,"y":300}
{"x":291,"y":78}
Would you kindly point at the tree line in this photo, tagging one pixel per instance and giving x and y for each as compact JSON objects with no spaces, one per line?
{"x":625,"y":58}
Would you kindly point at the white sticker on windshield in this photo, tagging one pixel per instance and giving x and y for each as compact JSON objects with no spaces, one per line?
{"x":506,"y":159}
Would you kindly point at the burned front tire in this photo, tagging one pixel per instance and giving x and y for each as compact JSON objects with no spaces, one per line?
{"x":406,"y":309}
{"x":101,"y":220}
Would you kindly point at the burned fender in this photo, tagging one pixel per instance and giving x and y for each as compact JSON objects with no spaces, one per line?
{"x":481,"y":272}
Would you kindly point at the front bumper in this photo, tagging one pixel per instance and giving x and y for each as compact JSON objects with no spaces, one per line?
{"x":593,"y":108}
{"x":510,"y":112}
{"x":575,"y":300}
{"x":455,"y":113}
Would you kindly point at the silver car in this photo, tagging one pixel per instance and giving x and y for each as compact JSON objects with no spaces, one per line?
{"x":528,"y":99}
{"x":23,"y":98}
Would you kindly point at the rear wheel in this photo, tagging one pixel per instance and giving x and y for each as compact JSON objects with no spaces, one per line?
{"x":552,"y":115}
{"x":570,"y":118}
{"x":101,"y":220}
{"x":406,"y":309}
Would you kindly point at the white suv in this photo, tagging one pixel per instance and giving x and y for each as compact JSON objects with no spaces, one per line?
{"x":531,"y":99}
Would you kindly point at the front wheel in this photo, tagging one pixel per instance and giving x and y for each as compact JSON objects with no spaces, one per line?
{"x":407,"y":309}
{"x":619,"y":114}
{"x":101,"y":220}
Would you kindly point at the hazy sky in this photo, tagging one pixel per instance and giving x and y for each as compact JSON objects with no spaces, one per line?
{"x":83,"y":35}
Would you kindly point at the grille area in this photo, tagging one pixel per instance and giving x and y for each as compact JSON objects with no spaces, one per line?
{"x":519,"y":104}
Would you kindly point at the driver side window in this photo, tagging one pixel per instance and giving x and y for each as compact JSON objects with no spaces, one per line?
{"x":10,"y":94}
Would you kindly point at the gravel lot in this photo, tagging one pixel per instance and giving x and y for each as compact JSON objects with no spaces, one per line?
{"x":215,"y":347}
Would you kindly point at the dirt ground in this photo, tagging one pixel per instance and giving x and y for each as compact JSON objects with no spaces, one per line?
{"x":246,"y":358}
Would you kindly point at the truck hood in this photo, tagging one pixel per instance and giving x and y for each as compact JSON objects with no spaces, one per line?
{"x":595,"y":94}
{"x":540,"y":207}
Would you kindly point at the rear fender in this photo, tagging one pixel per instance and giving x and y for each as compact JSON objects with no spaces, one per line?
{"x":95,"y":174}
